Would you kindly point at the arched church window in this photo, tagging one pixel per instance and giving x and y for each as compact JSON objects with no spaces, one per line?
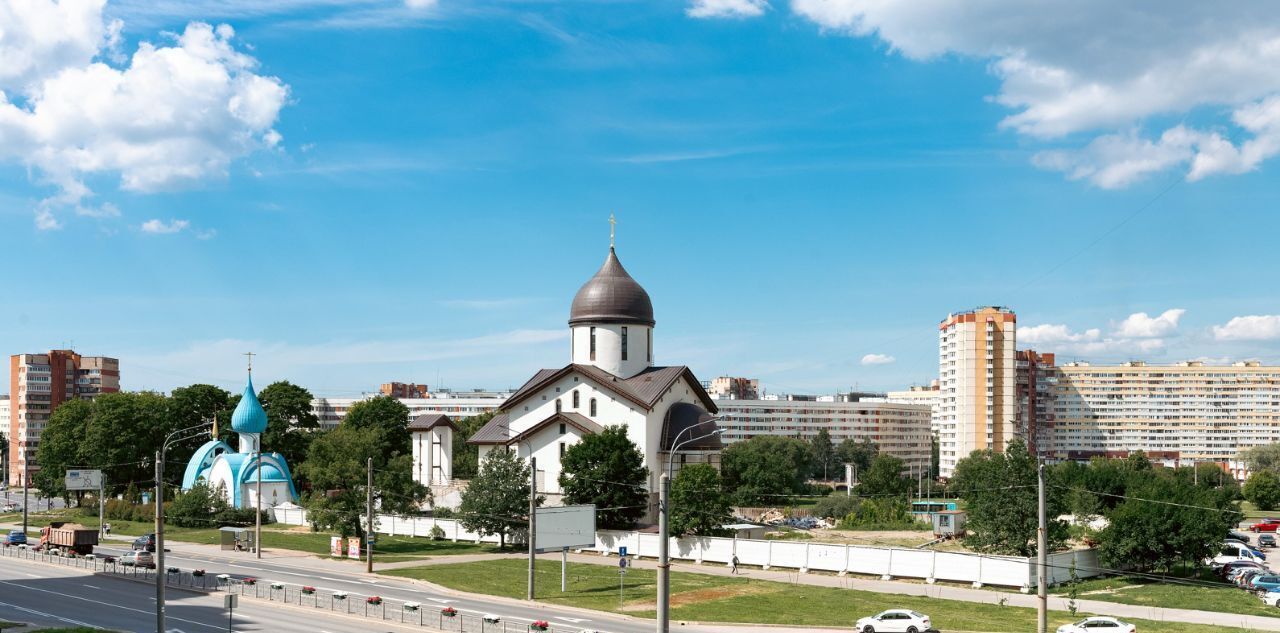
{"x":649,"y":345}
{"x":576,"y":401}
{"x":593,"y":342}
{"x":557,"y":405}
{"x":593,"y":407}
{"x":624,"y":342}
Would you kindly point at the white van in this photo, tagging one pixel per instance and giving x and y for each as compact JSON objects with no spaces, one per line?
{"x":1232,"y":551}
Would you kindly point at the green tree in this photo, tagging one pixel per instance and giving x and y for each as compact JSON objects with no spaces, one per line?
{"x":1265,"y":457}
{"x":699,"y":505}
{"x":496,"y":500}
{"x":860,"y":454}
{"x":1263,"y":490}
{"x":1145,"y":532}
{"x":197,"y":507}
{"x":766,"y":469}
{"x":607,"y":469}
{"x":884,"y":513}
{"x":999,"y":490}
{"x":822,"y":454}
{"x":336,"y":466}
{"x":884,"y":478}
{"x":123,"y":435}
{"x":192,"y":406}
{"x":291,"y":424}
{"x":389,"y":416}
{"x":61,"y":444}
{"x":466,"y":457}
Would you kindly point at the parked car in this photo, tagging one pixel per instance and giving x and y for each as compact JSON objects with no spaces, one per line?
{"x":1242,"y":580}
{"x":895,"y":621}
{"x":1267,"y":540}
{"x":1231,"y":551}
{"x":11,"y":507}
{"x":1264,"y":582}
{"x":138,"y":558}
{"x":16,"y":537}
{"x":1097,"y":625}
{"x":145,"y":542}
{"x":1233,"y":535}
{"x":1265,"y":525}
{"x":1271,"y":598}
{"x":1231,"y":569}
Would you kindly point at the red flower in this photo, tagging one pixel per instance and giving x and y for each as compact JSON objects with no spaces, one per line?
{"x":449,"y":611}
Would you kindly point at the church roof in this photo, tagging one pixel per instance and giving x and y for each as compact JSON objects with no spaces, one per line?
{"x":428,"y":421}
{"x":249,"y":417}
{"x":644,"y":389}
{"x":495,"y":431}
{"x":611,"y":296}
{"x":683,"y":416}
{"x":500,"y":433}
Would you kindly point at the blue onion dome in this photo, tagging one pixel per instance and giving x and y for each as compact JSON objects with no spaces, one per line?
{"x":249,"y":416}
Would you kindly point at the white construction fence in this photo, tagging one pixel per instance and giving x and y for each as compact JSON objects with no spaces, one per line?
{"x":885,"y":562}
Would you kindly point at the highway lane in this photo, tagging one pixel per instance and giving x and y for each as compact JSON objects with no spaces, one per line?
{"x":356,"y":582}
{"x":59,"y":596}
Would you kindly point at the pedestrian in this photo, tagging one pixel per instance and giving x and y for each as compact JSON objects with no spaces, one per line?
{"x":733,"y":565}
{"x":106,"y":529}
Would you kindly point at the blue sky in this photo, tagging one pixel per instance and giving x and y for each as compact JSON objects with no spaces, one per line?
{"x":414,"y":192}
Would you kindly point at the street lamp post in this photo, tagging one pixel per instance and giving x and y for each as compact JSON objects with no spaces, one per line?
{"x":664,"y":511}
{"x":161,"y":574}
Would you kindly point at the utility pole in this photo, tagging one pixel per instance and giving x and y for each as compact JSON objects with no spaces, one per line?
{"x":26,"y":484}
{"x":102,"y":505}
{"x":1042,"y":558}
{"x":664,"y":565}
{"x":533,"y":517}
{"x":160,"y":573}
{"x":257,"y":516}
{"x":368,"y":545}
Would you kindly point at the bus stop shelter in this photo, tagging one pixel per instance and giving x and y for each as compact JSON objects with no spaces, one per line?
{"x":236,"y":539}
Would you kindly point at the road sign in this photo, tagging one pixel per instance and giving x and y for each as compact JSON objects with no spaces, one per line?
{"x":83,"y":479}
{"x":622,"y":563}
{"x":230,"y":601}
{"x":372,"y":540}
{"x":622,"y":551}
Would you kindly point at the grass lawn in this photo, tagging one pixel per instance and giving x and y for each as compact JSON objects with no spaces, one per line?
{"x":707,"y":598}
{"x":274,"y":536}
{"x":1127,"y":590}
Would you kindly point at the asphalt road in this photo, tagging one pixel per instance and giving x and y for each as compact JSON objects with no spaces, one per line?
{"x":57,"y":596}
{"x":35,"y":502}
{"x":289,"y":571}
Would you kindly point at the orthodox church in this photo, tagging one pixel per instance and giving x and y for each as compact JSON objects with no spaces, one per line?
{"x":611,"y":380}
{"x":236,"y":473}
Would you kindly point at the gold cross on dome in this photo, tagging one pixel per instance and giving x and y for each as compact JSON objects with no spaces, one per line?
{"x":250,"y":355}
{"x":612,"y":224}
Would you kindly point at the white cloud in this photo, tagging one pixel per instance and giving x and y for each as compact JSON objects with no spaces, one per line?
{"x":1049,"y":334}
{"x":1249,"y":328}
{"x":172,"y":115}
{"x":1141,"y":325}
{"x":727,"y":8}
{"x":420,"y":4}
{"x":877,"y":359}
{"x":1097,"y":66}
{"x":160,"y":227}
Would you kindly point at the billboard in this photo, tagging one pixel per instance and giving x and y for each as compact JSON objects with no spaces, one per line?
{"x":335,"y":546}
{"x":83,"y":479}
{"x":353,"y":547}
{"x":565,"y":526}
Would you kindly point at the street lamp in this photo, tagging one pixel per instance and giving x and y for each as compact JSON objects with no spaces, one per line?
{"x":161,"y":574}
{"x":664,"y":511}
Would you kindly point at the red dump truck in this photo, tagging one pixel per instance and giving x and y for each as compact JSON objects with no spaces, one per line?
{"x":68,"y":537}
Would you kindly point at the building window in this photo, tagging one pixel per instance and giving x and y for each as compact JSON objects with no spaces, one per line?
{"x":557,"y":405}
{"x":593,"y":342}
{"x":624,"y":342}
{"x":562,"y":428}
{"x":648,"y":345}
{"x":576,"y":402}
{"x":593,"y":407}
{"x":562,"y":450}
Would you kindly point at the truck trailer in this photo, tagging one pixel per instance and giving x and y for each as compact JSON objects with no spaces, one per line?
{"x":69,"y":537}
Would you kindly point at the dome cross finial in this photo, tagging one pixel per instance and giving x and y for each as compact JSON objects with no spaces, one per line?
{"x":250,"y":355}
{"x":613,"y":223}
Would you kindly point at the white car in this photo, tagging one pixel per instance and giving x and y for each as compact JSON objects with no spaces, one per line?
{"x":894,"y":621}
{"x":1098,"y":625}
{"x":1271,"y":598}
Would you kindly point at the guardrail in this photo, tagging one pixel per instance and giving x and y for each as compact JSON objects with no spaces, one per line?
{"x":407,"y":612}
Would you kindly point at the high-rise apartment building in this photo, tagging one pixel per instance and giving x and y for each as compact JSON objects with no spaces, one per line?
{"x":731,"y":388}
{"x":4,"y":424}
{"x":1034,"y":392}
{"x":976,"y":375}
{"x":38,"y":383}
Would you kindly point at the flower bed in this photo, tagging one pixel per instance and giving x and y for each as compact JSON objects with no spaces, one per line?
{"x":339,"y":595}
{"x":540,"y":625}
{"x":448,"y":612}
{"x":308,"y":590}
{"x":373,"y":600}
{"x":250,"y":581}
{"x":411,"y":606}
{"x":197,"y":573}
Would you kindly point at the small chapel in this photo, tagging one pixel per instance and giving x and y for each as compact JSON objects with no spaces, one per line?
{"x":611,"y":379}
{"x":236,"y":472}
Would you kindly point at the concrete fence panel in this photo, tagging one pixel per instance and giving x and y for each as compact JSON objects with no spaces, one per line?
{"x":751,"y":552}
{"x":912,"y":563}
{"x":827,"y":557}
{"x":873,"y":561}
{"x":790,"y":554}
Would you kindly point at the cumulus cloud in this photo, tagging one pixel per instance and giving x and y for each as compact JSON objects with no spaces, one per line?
{"x":1102,"y":68}
{"x":1139,"y":333}
{"x":1141,"y":325}
{"x":877,"y":359}
{"x":727,"y":8}
{"x":172,"y":115}
{"x":1249,"y":328}
{"x":160,"y":227}
{"x":420,"y":4}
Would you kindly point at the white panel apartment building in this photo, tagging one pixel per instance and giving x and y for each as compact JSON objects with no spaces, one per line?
{"x":331,"y":411}
{"x":901,"y":430}
{"x":1186,"y":412}
{"x":976,"y":379}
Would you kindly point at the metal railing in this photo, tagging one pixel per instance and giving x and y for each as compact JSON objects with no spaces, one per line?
{"x":428,"y":616}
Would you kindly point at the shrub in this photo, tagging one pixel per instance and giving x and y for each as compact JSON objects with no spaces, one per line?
{"x":882,"y":514}
{"x":835,"y":507}
{"x":437,"y":533}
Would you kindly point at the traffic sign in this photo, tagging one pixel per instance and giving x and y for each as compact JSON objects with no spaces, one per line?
{"x":230,"y":601}
{"x":83,"y":480}
{"x":622,"y":551}
{"x":622,"y":563}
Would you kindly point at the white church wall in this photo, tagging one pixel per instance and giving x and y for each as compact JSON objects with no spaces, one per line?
{"x":273,"y":492}
{"x":546,"y":447}
{"x":609,"y":409}
{"x":609,"y":347}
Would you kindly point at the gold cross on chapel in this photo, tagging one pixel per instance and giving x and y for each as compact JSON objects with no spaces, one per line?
{"x":612,"y":224}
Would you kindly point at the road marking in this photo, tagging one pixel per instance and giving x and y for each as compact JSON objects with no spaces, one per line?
{"x":49,"y":615}
{"x":566,"y":619}
{"x":92,"y":587}
{"x":32,"y":575}
{"x":441,"y":600}
{"x":106,"y":604}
